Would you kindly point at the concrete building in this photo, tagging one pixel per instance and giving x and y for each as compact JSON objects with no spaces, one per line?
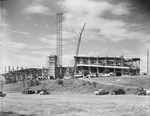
{"x":52,"y":66}
{"x":26,"y":73}
{"x":116,"y":65}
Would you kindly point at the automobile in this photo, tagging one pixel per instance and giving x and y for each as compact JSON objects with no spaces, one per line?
{"x":43,"y":92}
{"x":147,"y":92}
{"x":78,"y":75}
{"x":118,"y":92}
{"x":28,"y":91}
{"x":101,"y":92}
{"x":91,"y":75}
{"x":105,"y":75}
{"x":140,"y":91}
{"x":2,"y":94}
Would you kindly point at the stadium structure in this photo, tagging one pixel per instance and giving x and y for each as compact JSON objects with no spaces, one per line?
{"x":115,"y":65}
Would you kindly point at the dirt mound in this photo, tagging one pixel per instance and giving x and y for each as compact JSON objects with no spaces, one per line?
{"x":13,"y":87}
{"x":76,"y":86}
{"x":65,"y":86}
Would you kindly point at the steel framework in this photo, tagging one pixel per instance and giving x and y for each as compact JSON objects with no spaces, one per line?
{"x":59,"y":18}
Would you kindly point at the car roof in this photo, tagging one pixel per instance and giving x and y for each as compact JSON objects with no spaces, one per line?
{"x":101,"y":89}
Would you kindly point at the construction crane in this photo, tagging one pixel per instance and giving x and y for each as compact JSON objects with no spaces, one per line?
{"x":75,"y":63}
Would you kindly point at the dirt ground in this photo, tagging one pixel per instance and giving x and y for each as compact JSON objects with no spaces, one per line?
{"x":65,"y":104}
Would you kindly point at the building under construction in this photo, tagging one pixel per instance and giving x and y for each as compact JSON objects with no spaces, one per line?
{"x":115,"y":65}
{"x":26,"y":73}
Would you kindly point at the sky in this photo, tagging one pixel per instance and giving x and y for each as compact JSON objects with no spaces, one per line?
{"x":113,"y":28}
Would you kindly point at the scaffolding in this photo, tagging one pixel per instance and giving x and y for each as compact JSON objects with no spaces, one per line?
{"x":52,"y":66}
{"x":59,"y":18}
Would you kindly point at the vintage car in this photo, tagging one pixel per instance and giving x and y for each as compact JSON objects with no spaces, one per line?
{"x":28,"y":91}
{"x":140,"y":91}
{"x":43,"y":92}
{"x":101,"y":92}
{"x":2,"y":94}
{"x":118,"y":92}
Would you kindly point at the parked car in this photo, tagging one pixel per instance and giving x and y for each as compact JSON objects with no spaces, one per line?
{"x":106,"y":75}
{"x":78,"y":75}
{"x":44,"y":92}
{"x":101,"y":92}
{"x":140,"y":91}
{"x":28,"y":91}
{"x":118,"y":92}
{"x":2,"y":94}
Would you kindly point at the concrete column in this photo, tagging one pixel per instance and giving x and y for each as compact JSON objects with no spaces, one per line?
{"x":42,"y":72}
{"x":16,"y":76}
{"x":97,"y":61}
{"x":132,"y":63}
{"x":8,"y":69}
{"x":114,"y":66}
{"x":89,"y":69}
{"x":89,"y":61}
{"x":122,"y":71}
{"x":81,"y":61}
{"x":106,"y":60}
{"x":97,"y":70}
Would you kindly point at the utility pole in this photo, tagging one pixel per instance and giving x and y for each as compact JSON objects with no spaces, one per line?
{"x":147,"y":62}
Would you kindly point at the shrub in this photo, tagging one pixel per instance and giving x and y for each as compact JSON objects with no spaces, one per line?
{"x":33,"y":82}
{"x":10,"y":80}
{"x":85,"y":72}
{"x":60,"y":82}
{"x":94,"y":83}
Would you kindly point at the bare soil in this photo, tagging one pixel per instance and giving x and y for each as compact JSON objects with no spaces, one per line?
{"x":65,"y":104}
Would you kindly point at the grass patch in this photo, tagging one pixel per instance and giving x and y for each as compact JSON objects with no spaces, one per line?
{"x":83,"y":86}
{"x":135,"y":81}
{"x":14,"y":114}
{"x":76,"y":86}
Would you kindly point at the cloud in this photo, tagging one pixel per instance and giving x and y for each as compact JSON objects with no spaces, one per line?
{"x":49,"y":39}
{"x":36,"y":25}
{"x":121,"y":9}
{"x":78,"y":12}
{"x":37,"y":8}
{"x":5,"y":36}
{"x":7,"y":46}
{"x":68,"y":35}
{"x":68,"y":59}
{"x":18,"y":32}
{"x":6,"y":41}
{"x":27,"y":60}
{"x":38,"y":47}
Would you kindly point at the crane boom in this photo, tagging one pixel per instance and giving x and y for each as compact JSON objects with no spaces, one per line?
{"x":80,"y":40}
{"x":75,"y":64}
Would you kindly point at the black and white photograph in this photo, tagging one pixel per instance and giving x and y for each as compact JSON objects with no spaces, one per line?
{"x":74,"y":57}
